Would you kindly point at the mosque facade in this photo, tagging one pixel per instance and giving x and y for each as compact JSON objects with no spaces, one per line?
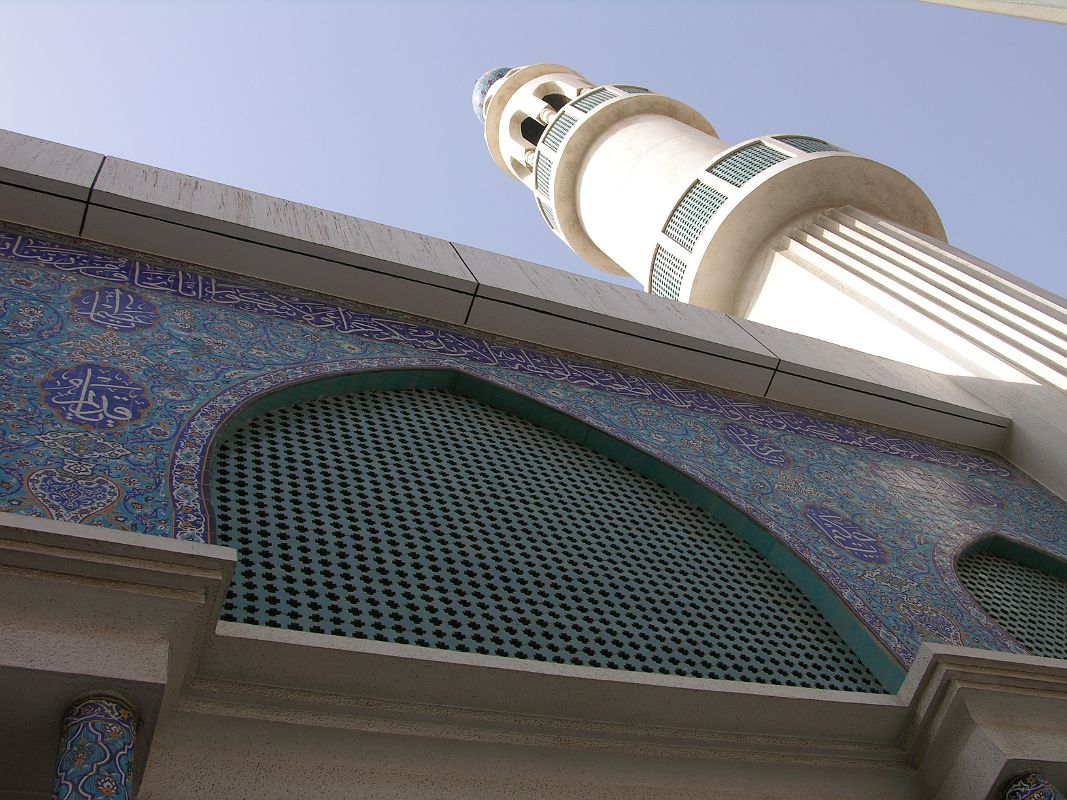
{"x":294,"y":502}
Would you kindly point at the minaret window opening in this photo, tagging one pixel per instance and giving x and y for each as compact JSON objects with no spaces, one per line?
{"x":427,"y":516}
{"x":557,"y":101}
{"x":532,"y":130}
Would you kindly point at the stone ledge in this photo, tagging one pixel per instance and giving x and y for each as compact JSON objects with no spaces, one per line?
{"x":234,"y":230}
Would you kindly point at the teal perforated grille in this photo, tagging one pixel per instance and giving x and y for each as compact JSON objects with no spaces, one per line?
{"x":590,"y":100}
{"x":557,"y":131}
{"x":667,"y":273}
{"x":548,"y":214}
{"x":807,"y":144}
{"x":1029,"y":604}
{"x":692,"y":214}
{"x":543,"y":175}
{"x":737,"y":168}
{"x":425,"y":517}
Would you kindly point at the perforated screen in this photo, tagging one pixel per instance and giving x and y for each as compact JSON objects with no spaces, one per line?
{"x":807,"y":144}
{"x":557,"y":131}
{"x":692,"y":214}
{"x":667,"y":273}
{"x":548,"y":214}
{"x":634,"y":89}
{"x":1029,"y":604}
{"x":425,"y":517}
{"x":543,"y":175}
{"x":590,"y":100}
{"x":737,"y":168}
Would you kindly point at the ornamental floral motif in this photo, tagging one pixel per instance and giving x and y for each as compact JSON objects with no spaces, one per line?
{"x":1031,"y":786}
{"x":72,"y":494}
{"x":931,"y":623}
{"x":81,"y":444}
{"x":96,"y":751}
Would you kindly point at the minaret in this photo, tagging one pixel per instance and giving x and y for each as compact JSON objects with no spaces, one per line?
{"x":785,"y":229}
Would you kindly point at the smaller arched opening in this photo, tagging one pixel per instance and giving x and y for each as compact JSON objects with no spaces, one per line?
{"x":1022,"y":589}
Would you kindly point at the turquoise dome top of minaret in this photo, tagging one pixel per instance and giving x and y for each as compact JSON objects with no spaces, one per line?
{"x":481,"y":89}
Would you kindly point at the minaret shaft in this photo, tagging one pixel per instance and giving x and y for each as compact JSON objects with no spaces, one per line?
{"x":785,"y":229}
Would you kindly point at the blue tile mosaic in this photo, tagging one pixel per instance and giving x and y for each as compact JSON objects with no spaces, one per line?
{"x":120,"y":372}
{"x":96,"y":751}
{"x":1031,"y":786}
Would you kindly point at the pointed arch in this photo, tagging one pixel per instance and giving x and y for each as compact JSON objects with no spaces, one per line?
{"x":1021,"y":588}
{"x":259,"y":594}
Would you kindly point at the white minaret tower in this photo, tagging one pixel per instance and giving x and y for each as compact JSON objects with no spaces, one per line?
{"x":785,"y":229}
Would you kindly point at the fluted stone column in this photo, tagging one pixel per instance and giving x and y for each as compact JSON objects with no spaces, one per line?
{"x":1031,"y":786}
{"x":96,"y":751}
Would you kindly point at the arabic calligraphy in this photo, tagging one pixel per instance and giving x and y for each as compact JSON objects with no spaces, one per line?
{"x":756,"y":447}
{"x":94,"y":395}
{"x":278,"y":305}
{"x":912,"y":481}
{"x":972,"y":495}
{"x":845,"y":533}
{"x":112,"y":307}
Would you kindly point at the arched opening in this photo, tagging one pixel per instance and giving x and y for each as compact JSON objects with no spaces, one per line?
{"x":431,"y":508}
{"x":1021,"y":589}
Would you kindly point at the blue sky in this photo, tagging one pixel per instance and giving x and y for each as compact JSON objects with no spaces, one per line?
{"x":364,"y":107}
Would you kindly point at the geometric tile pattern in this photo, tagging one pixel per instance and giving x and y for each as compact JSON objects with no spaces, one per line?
{"x":892,"y":509}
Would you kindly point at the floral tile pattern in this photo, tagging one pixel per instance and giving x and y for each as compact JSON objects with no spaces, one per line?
{"x":96,"y":751}
{"x":120,"y":372}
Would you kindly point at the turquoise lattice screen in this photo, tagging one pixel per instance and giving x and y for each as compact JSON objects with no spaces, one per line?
{"x":426,"y":517}
{"x":543,"y":174}
{"x":587,"y":102}
{"x":557,"y":131}
{"x":1029,"y":602}
{"x":808,"y":144}
{"x":692,"y":214}
{"x":743,"y":165}
{"x":668,"y":272}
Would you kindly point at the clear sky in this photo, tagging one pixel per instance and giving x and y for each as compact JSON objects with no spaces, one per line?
{"x":364,"y":107}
